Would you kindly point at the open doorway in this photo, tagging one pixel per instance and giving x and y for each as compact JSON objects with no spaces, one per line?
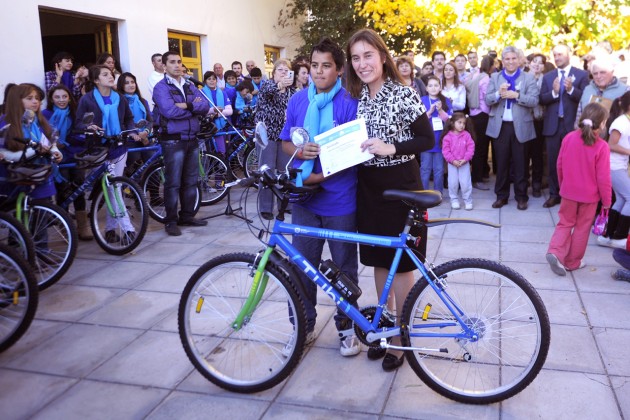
{"x":85,"y":37}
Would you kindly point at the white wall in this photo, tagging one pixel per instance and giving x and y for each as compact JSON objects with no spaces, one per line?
{"x":142,"y":31}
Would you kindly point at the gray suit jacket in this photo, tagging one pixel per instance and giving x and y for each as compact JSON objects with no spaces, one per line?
{"x":522,"y":109}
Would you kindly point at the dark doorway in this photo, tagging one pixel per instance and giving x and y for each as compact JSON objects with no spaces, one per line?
{"x":82,"y":36}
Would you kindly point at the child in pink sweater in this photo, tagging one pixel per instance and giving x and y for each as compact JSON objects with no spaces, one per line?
{"x":458,"y":148}
{"x":584,"y":176}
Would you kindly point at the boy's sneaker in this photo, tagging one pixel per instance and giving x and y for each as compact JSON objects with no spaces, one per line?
{"x":455,"y":205}
{"x":618,"y":243}
{"x":468,"y":206}
{"x":350,"y":346}
{"x":603,"y":241}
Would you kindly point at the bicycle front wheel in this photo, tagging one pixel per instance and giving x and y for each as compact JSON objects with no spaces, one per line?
{"x":55,"y":239}
{"x":504,"y":311}
{"x":213,"y":175}
{"x":153,"y":190}
{"x":119,"y":216}
{"x":265,"y":348}
{"x":18,"y":296}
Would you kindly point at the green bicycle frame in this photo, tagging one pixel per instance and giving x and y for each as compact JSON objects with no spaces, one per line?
{"x":256,"y":292}
{"x":108,"y":203}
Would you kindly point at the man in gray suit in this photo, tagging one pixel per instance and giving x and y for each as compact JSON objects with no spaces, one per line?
{"x":512,"y":95}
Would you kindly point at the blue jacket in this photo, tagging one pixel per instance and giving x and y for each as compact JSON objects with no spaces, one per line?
{"x":173,"y":122}
{"x":87,"y":103}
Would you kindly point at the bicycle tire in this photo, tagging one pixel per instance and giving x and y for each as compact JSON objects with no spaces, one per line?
{"x":55,"y":238}
{"x":152,"y":186}
{"x":214,"y":174}
{"x":506,"y":312}
{"x":14,"y":234}
{"x":251,"y":161}
{"x":129,"y":224}
{"x":19,"y":296}
{"x":271,"y":341}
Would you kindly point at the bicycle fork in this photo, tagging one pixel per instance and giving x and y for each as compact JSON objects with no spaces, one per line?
{"x":255,"y":293}
{"x":106,"y":185}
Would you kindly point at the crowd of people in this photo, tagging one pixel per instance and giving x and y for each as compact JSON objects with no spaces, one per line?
{"x":521,"y":108}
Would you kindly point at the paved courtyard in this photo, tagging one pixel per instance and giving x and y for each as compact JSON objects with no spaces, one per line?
{"x":104,"y":343}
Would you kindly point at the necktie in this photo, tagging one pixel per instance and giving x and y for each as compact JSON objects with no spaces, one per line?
{"x":561,"y":108}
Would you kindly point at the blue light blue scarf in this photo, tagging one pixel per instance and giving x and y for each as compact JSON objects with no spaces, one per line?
{"x":217,"y":97}
{"x":61,"y":120}
{"x":137,"y":107}
{"x":111,"y":123}
{"x":318,"y":119}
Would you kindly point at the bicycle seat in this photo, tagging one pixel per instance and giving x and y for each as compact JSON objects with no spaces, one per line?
{"x":424,"y":199}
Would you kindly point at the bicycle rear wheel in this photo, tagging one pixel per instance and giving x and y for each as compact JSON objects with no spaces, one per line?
{"x":213,"y":175}
{"x":55,"y":239}
{"x":506,"y":313}
{"x":120,"y":226}
{"x":268,"y":345}
{"x":14,"y":234}
{"x":153,"y":189}
{"x":18,"y":296}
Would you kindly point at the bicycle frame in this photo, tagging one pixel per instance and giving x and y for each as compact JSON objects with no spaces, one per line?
{"x":371,"y":328}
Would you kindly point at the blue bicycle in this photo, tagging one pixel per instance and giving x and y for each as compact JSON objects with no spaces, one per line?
{"x":473,"y":330}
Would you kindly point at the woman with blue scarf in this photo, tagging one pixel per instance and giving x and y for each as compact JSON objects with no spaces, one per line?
{"x":111,"y":115}
{"x":21,"y":98}
{"x":128,"y":86}
{"x":60,"y":114}
{"x":220,"y":102}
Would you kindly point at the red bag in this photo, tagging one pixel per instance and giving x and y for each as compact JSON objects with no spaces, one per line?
{"x":600,"y":222}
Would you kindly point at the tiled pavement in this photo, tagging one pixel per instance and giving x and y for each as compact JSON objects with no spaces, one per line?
{"x":104,"y":343}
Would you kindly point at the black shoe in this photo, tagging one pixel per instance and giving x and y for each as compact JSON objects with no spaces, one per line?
{"x":192,"y":222}
{"x":522,"y":205}
{"x":266,"y":215}
{"x":375,"y":353}
{"x":499,"y":203}
{"x":172,"y":229}
{"x":391,"y":362}
{"x":551,"y":201}
{"x":111,"y":237}
{"x":480,"y":186}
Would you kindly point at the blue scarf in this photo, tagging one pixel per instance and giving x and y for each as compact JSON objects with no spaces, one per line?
{"x":512,"y":81}
{"x":68,"y":79}
{"x":111,"y":122}
{"x":61,"y":120}
{"x":32,"y":132}
{"x":256,"y":87}
{"x":318,"y":119}
{"x":218,"y":99}
{"x":137,"y":107}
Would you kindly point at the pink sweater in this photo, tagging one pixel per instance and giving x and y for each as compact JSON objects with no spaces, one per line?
{"x":458,"y":146}
{"x":584,"y":171}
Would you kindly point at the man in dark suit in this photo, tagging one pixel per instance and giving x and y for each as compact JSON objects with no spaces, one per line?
{"x":560,"y":93}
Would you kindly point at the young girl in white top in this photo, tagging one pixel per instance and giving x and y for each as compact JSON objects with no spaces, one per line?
{"x":458,"y":148}
{"x":619,"y":143}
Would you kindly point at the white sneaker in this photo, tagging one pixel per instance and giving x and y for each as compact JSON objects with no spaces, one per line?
{"x":468,"y":206}
{"x":350,"y":346}
{"x":555,"y":265}
{"x":603,"y":241}
{"x":455,"y":205}
{"x":618,"y":243}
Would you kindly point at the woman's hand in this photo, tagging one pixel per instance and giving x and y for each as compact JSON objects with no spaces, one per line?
{"x":57,"y":156}
{"x":135,"y":137}
{"x":59,"y":71}
{"x":377,"y":146}
{"x":94,"y":128}
{"x":309,"y":151}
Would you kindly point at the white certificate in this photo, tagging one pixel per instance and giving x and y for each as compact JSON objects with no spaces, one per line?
{"x":340,"y":147}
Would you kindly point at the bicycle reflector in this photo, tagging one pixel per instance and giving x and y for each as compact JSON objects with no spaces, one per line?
{"x":28,"y":173}
{"x":91,"y":157}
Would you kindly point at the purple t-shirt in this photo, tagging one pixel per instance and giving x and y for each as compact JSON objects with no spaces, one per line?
{"x":338,"y":194}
